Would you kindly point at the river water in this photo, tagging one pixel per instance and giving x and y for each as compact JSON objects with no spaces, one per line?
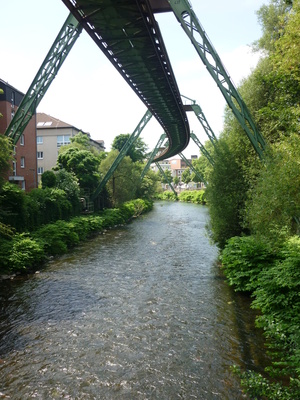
{"x":140,"y":312}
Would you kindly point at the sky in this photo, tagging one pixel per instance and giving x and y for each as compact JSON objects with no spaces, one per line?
{"x":91,"y":95}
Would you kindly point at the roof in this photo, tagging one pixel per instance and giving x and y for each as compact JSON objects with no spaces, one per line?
{"x":45,"y":121}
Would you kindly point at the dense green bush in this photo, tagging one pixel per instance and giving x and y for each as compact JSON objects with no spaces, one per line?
{"x":193,"y":196}
{"x":22,"y":252}
{"x":26,"y":212}
{"x":243,"y":258}
{"x":185,"y":196}
{"x":25,"y":252}
{"x":13,"y":210}
{"x":272,"y":275}
{"x":277,"y":297}
{"x":166,"y":195}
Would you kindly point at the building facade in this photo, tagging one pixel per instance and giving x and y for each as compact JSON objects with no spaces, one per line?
{"x":53,"y":133}
{"x":24,"y":166}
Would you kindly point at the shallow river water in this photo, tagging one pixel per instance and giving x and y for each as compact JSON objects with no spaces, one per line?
{"x":140,"y":312}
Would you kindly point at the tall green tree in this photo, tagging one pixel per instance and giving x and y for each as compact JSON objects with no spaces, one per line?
{"x":226,"y":195}
{"x":186,"y":176}
{"x":124,"y":183}
{"x":83,"y":164}
{"x":167,"y":177}
{"x":273,"y":208}
{"x":136,"y":152}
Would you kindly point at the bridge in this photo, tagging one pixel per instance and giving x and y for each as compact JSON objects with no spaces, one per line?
{"x":127,"y":33}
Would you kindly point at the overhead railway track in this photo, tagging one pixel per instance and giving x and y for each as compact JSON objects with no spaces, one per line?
{"x":128,"y":34}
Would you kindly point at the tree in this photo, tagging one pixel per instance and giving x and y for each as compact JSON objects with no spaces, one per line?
{"x":137,"y":150}
{"x":149,"y":186}
{"x":5,"y":157}
{"x":202,"y":164}
{"x":176,"y":180}
{"x":69,"y":183}
{"x":273,"y":208}
{"x":123,"y":184}
{"x":48,"y":179}
{"x":83,"y":164}
{"x":186,"y":176}
{"x":226,"y":193}
{"x":270,"y":18}
{"x":167,"y":177}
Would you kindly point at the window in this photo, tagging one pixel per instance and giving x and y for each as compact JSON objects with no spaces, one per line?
{"x":14,"y":168}
{"x":22,"y":140}
{"x":22,"y":162}
{"x":40,"y":170}
{"x":63,"y":140}
{"x":23,"y":185}
{"x":12,"y":98}
{"x":40,"y":155}
{"x":39,"y":140}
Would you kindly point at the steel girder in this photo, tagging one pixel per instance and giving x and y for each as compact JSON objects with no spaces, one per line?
{"x":166,"y":177}
{"x":128,"y":34}
{"x":190,"y":165}
{"x":202,"y":148}
{"x":192,"y":27}
{"x":136,"y":133}
{"x":153,"y":154}
{"x":61,"y":47}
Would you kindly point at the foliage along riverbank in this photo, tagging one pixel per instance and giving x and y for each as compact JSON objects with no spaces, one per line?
{"x":271,"y":275}
{"x":27,"y":251}
{"x":188,"y":196}
{"x":254,"y":202}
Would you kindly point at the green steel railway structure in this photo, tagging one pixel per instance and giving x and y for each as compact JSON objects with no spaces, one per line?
{"x":127,"y":32}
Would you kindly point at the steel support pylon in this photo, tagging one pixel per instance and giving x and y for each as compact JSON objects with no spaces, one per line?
{"x":192,"y":27}
{"x":166,"y":177}
{"x":60,"y":49}
{"x":190,"y":165}
{"x":153,"y":154}
{"x":136,"y":133}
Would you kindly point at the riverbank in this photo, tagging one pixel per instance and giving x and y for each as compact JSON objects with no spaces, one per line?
{"x":27,"y":251}
{"x":186,"y":196}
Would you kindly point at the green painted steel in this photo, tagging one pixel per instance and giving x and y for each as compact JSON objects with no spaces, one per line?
{"x":166,"y":177}
{"x":190,"y":165}
{"x":128,"y":34}
{"x":136,"y":133}
{"x":202,"y":148}
{"x":153,"y":154}
{"x":201,"y":118}
{"x":192,"y":27}
{"x":209,"y":132}
{"x":61,"y":47}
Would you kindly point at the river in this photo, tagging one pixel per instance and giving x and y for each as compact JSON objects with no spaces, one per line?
{"x":140,"y":312}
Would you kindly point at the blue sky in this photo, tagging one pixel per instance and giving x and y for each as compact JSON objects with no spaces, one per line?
{"x":90,"y":94}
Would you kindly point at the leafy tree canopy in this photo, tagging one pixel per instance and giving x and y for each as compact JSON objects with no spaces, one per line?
{"x":83,"y":164}
{"x":186,"y":176}
{"x":5,"y":157}
{"x":124,"y":183}
{"x":167,"y":177}
{"x":137,"y":150}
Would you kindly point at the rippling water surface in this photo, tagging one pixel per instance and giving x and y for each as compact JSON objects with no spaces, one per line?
{"x":140,"y":312}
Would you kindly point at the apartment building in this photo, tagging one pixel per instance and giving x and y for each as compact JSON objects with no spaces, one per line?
{"x":24,"y":166}
{"x":53,"y":133}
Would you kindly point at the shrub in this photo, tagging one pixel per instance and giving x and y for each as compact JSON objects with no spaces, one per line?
{"x":243,"y":258}
{"x":26,"y":252}
{"x":277,"y":297}
{"x":166,"y":196}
